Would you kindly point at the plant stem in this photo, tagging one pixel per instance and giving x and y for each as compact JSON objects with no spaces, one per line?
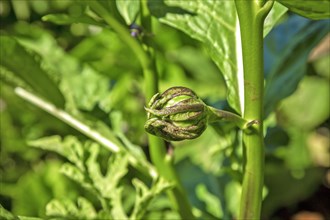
{"x":158,"y":153}
{"x":221,"y":115}
{"x":146,"y":58}
{"x":251,"y":15}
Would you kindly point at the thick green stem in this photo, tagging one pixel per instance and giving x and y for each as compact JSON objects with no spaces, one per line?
{"x":159,"y":156}
{"x":251,"y":15}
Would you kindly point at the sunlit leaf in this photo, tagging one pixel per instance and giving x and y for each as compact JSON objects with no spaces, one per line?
{"x":215,"y":24}
{"x":117,"y":168}
{"x":69,"y":147}
{"x":4,"y":214}
{"x":274,"y":15}
{"x":65,"y":208}
{"x":314,"y":9}
{"x":128,"y":10}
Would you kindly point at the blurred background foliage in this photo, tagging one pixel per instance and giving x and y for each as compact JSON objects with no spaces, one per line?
{"x":101,"y":80}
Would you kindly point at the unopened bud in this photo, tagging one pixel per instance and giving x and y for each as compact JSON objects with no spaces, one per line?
{"x":176,"y":114}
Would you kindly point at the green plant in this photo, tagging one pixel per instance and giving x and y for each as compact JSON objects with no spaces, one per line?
{"x":96,"y":65}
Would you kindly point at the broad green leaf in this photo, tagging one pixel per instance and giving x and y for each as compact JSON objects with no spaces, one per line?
{"x":308,"y":106}
{"x":128,"y":9}
{"x":16,"y":59}
{"x":313,"y":9}
{"x":215,"y":24}
{"x":286,"y":51}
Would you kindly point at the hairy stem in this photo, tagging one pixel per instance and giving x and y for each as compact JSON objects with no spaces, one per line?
{"x":157,"y":147}
{"x":251,"y":15}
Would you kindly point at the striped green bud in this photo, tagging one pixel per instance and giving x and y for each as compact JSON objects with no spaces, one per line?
{"x":177,"y":114}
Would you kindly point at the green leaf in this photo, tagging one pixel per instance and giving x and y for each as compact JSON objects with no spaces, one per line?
{"x":117,"y":209}
{"x":233,"y":191}
{"x":4,"y":214}
{"x":313,"y":9}
{"x":69,"y":147}
{"x":64,"y":19}
{"x":286,"y":53}
{"x":203,"y":72}
{"x":81,"y":85}
{"x":116,"y":170}
{"x":216,"y":186}
{"x":211,"y":201}
{"x":35,"y":188}
{"x":145,"y":195}
{"x":273,"y":16}
{"x":65,"y":208}
{"x":215,"y":24}
{"x":207,"y":22}
{"x":308,"y":106}
{"x":277,"y":175}
{"x":160,"y":208}
{"x":75,"y":174}
{"x":16,"y":59}
{"x":128,"y":9}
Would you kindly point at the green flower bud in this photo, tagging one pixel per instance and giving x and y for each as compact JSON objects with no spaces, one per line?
{"x":176,"y":114}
